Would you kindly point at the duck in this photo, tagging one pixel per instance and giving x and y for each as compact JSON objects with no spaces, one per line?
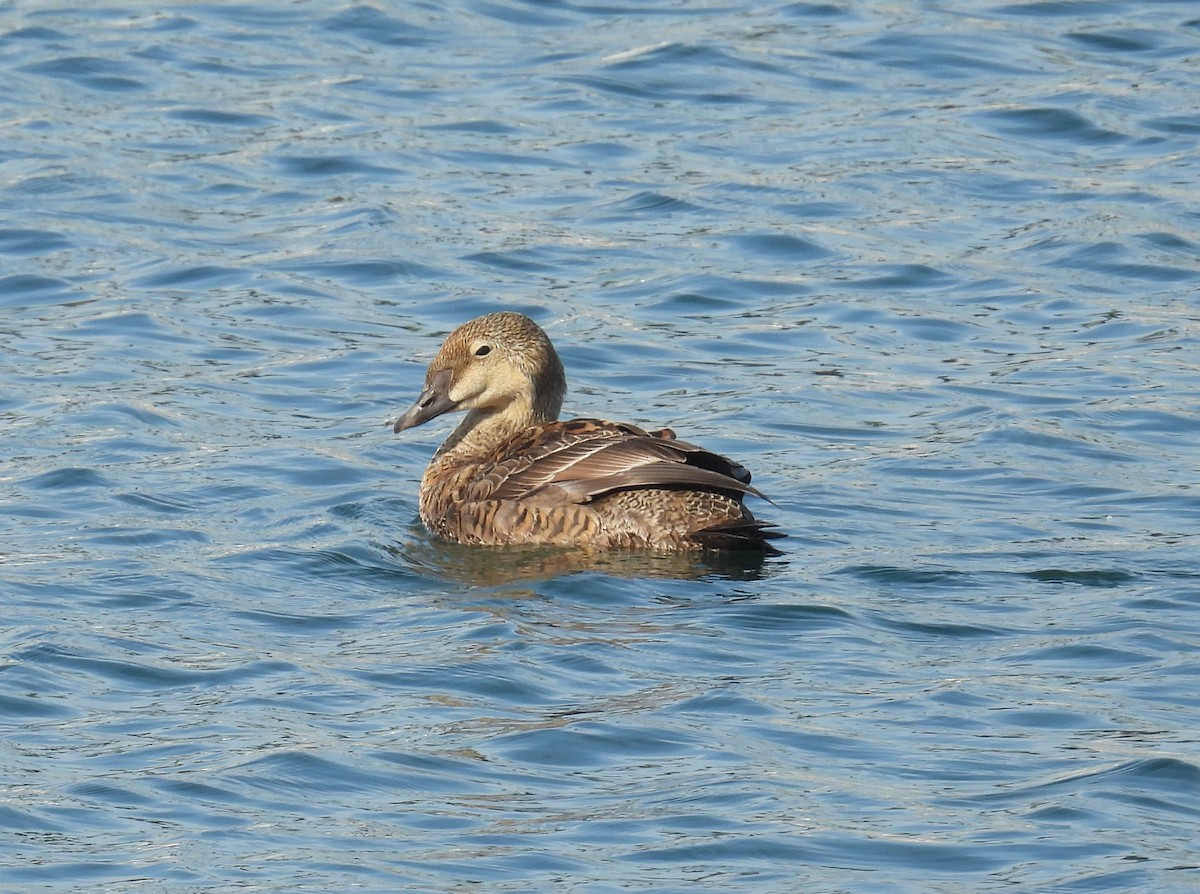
{"x":513,"y":473}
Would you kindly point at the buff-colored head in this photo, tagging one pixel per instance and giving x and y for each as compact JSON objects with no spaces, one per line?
{"x":502,"y":363}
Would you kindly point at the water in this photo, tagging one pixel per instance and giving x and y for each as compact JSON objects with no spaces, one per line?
{"x":929,"y":270}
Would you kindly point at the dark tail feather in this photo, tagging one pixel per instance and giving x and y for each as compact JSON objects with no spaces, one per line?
{"x":742,"y":533}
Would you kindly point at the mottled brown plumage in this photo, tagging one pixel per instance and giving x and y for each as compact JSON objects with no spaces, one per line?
{"x":512,"y":474}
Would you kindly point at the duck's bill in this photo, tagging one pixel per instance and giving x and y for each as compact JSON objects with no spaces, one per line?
{"x":433,"y":402}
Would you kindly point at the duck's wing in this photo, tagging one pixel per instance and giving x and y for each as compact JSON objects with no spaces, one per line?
{"x":582,"y":459}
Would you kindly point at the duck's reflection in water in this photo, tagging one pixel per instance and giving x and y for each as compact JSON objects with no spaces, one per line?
{"x":498,"y":566}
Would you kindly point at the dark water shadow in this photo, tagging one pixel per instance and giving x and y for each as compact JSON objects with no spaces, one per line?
{"x":484,"y":566}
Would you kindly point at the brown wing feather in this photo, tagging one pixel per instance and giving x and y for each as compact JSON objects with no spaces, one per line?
{"x":663,"y":474}
{"x":584,"y":458}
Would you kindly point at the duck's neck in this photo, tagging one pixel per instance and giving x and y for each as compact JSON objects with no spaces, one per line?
{"x":483,"y":430}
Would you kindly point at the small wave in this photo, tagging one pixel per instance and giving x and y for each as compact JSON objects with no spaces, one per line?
{"x":1055,"y":124}
{"x":1171,"y":776}
{"x":31,"y":242}
{"x":202,"y":276}
{"x":30,"y":290}
{"x":68,"y":479}
{"x":220,"y":117}
{"x":92,"y":73}
{"x":1100,"y":577}
{"x":141,"y":675}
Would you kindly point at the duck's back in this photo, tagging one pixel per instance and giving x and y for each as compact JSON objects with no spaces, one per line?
{"x":587,"y":482}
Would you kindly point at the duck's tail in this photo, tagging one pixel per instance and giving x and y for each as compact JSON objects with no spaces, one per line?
{"x":742,"y":534}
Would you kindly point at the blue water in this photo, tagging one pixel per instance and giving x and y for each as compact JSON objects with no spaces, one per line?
{"x":931,"y":270}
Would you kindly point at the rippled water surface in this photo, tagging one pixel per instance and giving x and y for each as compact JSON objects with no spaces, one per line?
{"x":930,"y":270}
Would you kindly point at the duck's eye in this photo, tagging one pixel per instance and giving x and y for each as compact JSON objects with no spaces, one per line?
{"x":483,"y":350}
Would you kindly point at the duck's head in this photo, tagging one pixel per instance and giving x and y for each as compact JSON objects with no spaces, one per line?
{"x":499,"y":364}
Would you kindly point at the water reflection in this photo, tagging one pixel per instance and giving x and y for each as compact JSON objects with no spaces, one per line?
{"x":482,"y":566}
